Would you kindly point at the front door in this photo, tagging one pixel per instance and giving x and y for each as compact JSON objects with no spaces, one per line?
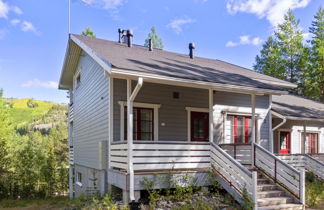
{"x":199,"y":126}
{"x":284,"y":143}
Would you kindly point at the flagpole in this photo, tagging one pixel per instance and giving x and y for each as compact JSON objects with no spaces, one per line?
{"x":69,"y":30}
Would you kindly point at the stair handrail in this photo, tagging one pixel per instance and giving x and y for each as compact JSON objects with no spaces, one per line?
{"x":301,"y":174}
{"x":319,"y":174}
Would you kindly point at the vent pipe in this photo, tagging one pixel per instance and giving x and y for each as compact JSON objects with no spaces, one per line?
{"x":191,"y":49}
{"x":120,"y":32}
{"x":150,"y":45}
{"x":129,"y":38}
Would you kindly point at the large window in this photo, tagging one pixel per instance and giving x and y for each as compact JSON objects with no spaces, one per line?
{"x":238,"y":129}
{"x":142,"y":123}
{"x":311,"y":143}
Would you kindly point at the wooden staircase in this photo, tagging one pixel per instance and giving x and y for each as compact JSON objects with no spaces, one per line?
{"x":270,"y":196}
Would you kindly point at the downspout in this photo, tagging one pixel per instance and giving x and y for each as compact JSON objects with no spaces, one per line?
{"x":284,"y":119}
{"x":280,"y":124}
{"x":130,"y":99}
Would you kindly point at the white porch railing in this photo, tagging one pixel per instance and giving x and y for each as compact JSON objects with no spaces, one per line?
{"x":240,"y":152}
{"x":304,"y":161}
{"x":236,"y":175}
{"x":161,"y":155}
{"x":280,"y":172}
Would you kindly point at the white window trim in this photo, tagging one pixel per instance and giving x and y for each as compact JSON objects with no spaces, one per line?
{"x":291,"y":134}
{"x":77,"y":73}
{"x":189,"y":110}
{"x":244,"y":114}
{"x":155,"y":108}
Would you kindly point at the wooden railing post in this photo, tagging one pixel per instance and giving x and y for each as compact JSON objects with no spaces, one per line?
{"x":254,"y":189}
{"x":302,"y":186}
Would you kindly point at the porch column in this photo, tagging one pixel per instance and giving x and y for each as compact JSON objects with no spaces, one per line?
{"x":253,"y":127}
{"x":211,"y":120}
{"x":130,"y":99}
{"x":304,"y":139}
{"x":130,"y":139}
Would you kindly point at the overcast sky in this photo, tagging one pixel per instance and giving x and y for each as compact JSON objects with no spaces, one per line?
{"x":33,"y":33}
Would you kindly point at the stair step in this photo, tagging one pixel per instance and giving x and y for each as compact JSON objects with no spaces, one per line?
{"x":273,"y":201}
{"x":290,"y":206}
{"x":267,"y":187}
{"x":263,"y":181}
{"x":269,"y":194}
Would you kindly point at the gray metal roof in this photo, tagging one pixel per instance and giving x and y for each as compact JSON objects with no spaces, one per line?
{"x":139,"y":59}
{"x":292,"y":106}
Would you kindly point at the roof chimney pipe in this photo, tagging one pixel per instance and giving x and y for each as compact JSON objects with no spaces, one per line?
{"x":120,"y":32}
{"x":150,"y":45}
{"x":130,"y":38}
{"x":191,"y":49}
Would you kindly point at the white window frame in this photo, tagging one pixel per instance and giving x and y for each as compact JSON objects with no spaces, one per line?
{"x":189,"y":110}
{"x":76,"y":75}
{"x":155,"y":108}
{"x":244,"y":114}
{"x":77,"y":179}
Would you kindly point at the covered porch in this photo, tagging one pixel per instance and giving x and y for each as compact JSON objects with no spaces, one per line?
{"x":163,"y":129}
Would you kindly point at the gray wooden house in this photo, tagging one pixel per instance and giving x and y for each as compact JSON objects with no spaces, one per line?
{"x":138,"y":111}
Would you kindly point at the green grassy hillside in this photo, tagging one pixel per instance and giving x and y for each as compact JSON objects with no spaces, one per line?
{"x":27,"y":110}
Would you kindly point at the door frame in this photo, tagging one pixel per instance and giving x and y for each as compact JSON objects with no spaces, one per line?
{"x":189,"y":110}
{"x":289,"y":144}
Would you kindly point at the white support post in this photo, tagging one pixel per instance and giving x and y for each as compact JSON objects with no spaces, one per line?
{"x":271,"y":143}
{"x":253,"y":127}
{"x":211,"y":120}
{"x":130,"y":139}
{"x":130,"y":100}
{"x":303,"y":147}
{"x":255,"y":189}
{"x":302,"y":186}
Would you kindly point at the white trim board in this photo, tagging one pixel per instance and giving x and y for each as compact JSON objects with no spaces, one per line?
{"x":155,"y":107}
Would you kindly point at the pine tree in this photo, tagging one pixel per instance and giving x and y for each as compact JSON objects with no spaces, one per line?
{"x":285,"y":55}
{"x":88,"y":32}
{"x":157,"y":42}
{"x":269,"y":59}
{"x":317,"y":57}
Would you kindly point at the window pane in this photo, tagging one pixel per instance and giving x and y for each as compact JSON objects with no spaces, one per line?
{"x":240,"y":130}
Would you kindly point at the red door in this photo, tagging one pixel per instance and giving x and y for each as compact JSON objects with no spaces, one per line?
{"x":284,"y":147}
{"x":199,"y":126}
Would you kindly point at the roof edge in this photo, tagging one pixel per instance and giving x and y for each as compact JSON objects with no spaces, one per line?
{"x":124,"y":73}
{"x":297,"y":118}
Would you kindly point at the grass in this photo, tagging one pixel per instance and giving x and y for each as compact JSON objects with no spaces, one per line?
{"x":59,"y":202}
{"x":21,"y":113}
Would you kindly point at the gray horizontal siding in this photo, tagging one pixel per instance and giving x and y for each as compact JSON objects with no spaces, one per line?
{"x":172,"y":111}
{"x":90,"y":125}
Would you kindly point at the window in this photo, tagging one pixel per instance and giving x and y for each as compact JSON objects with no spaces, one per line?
{"x":311,"y":143}
{"x":78,"y":80}
{"x":142,"y":123}
{"x":238,"y":129}
{"x":79,"y":177}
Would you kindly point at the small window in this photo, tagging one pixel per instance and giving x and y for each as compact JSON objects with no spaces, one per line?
{"x":78,"y":80}
{"x":176,"y":95}
{"x":79,"y":177}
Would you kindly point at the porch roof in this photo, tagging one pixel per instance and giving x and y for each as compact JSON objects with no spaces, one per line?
{"x":139,"y":60}
{"x":298,"y":108}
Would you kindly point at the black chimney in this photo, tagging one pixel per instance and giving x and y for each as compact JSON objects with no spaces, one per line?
{"x":150,"y":45}
{"x":129,"y":38}
{"x":120,"y":32}
{"x":191,"y":49}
